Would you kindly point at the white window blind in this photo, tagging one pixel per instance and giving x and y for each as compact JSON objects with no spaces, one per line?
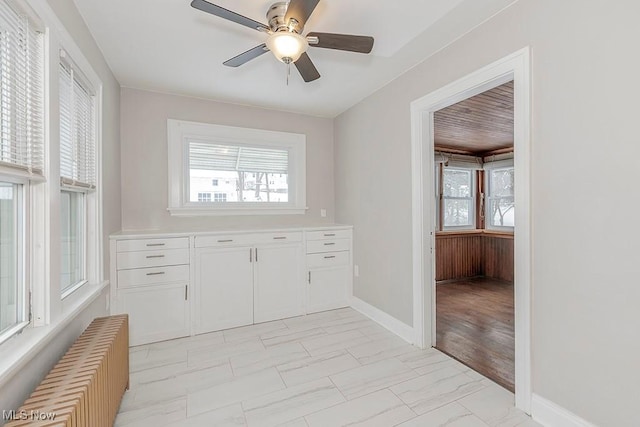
{"x":207,"y":156}
{"x":21,"y":92}
{"x":77,"y":130}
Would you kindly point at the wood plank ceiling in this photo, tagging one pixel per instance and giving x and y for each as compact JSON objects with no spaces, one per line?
{"x":480,"y":124}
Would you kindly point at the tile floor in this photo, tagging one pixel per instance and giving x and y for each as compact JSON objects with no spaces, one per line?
{"x":335,"y":368}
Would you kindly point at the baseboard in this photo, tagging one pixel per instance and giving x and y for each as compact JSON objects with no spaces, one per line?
{"x":399,"y":328}
{"x":550,"y":414}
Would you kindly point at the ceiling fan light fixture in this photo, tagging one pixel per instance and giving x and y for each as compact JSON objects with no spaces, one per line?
{"x":287,"y":46}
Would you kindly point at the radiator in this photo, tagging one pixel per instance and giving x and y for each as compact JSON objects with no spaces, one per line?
{"x":85,"y":388}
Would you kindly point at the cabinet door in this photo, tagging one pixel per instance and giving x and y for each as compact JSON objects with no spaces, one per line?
{"x":223,"y":288}
{"x":156,"y":313}
{"x":327,"y":289}
{"x":279,"y":284}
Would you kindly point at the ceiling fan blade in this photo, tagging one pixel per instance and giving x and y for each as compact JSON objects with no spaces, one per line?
{"x":213,"y":9}
{"x":247,"y":56}
{"x":300,"y":10}
{"x":306,"y":68}
{"x":360,"y":44}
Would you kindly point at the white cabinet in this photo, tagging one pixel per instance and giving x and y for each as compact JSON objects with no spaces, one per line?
{"x":278,"y":290}
{"x":328,"y":269}
{"x":156,"y":313}
{"x":242,"y":285}
{"x":151,"y":284}
{"x":180,"y":284}
{"x":223,"y":296}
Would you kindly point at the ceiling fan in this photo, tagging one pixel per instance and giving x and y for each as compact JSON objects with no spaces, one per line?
{"x":286,"y":24}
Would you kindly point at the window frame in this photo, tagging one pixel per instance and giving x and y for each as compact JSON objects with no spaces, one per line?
{"x":83,"y":214}
{"x":180,"y":133}
{"x":489,"y":168}
{"x":472,"y":199}
{"x":23,"y":300}
{"x":92,"y":197}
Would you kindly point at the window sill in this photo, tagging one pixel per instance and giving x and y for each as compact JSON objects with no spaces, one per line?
{"x":18,"y":351}
{"x":233,"y":211}
{"x":476,"y":232}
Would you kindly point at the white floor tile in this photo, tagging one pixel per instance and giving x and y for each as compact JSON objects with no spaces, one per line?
{"x":205,"y":356}
{"x":164,"y":414}
{"x":229,"y":416}
{"x":284,"y":336}
{"x":494,"y":405}
{"x":451,"y":415}
{"x":430,"y":391}
{"x":369,"y":378}
{"x":252,"y":331}
{"x":313,"y":368}
{"x":291,"y":403}
{"x":233,"y":391}
{"x":377,"y":350}
{"x":427,"y":361}
{"x":249,"y":363}
{"x":334,"y":342}
{"x":379,"y":409}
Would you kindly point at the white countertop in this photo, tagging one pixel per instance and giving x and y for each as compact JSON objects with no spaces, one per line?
{"x":184,"y":232}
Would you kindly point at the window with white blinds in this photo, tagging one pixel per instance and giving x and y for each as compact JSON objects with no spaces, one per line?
{"x":224,"y":170}
{"x":77,"y":130}
{"x":21,"y":92}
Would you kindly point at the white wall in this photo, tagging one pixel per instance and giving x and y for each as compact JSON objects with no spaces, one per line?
{"x":19,"y":387}
{"x":144,"y":158}
{"x":585,"y":147}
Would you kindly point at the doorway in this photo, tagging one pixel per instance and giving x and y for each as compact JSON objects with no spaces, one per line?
{"x":514,"y":68}
{"x":475,"y":214}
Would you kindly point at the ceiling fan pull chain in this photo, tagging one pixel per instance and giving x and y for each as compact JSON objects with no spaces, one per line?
{"x":288,"y":72}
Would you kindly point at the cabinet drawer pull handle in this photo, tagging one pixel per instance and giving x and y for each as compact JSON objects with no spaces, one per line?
{"x":157,"y":273}
{"x":330,"y":235}
{"x":225,"y":241}
{"x":309,"y":277}
{"x":155,"y":256}
{"x":329,"y":244}
{"x":155,"y":244}
{"x":279,"y":238}
{"x":329,"y":257}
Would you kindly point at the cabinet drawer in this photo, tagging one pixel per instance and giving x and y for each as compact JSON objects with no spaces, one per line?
{"x":152,"y":244}
{"x":152,"y":276}
{"x":328,"y":259}
{"x":246,"y":239}
{"x":157,"y":258}
{"x":318,"y":246}
{"x":328,"y":234}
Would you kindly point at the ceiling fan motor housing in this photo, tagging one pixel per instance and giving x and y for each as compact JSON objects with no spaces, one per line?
{"x":276,"y":18}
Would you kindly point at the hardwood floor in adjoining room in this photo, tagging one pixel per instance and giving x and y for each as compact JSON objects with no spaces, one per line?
{"x":475,"y":324}
{"x":336,"y":368}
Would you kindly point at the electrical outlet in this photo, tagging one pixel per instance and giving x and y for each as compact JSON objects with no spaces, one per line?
{"x":356,"y":271}
{"x":323,"y":213}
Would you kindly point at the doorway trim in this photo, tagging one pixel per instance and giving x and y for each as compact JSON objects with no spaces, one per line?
{"x":514,"y":67}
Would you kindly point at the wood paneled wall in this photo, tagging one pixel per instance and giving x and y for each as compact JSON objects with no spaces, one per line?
{"x":474,"y":253}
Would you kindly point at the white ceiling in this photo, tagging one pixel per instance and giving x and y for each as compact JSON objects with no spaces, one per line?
{"x":167,"y":46}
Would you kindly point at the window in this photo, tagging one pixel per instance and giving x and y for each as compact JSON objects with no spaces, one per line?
{"x":458,"y":199}
{"x":263,"y":172}
{"x":204,"y":197}
{"x":500,"y":197}
{"x":77,"y":172}
{"x":214,"y":182}
{"x":21,"y":159}
{"x":11,"y":269}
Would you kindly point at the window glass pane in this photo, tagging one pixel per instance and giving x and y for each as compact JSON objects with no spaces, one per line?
{"x":457,"y":212}
{"x":502,"y":212}
{"x":72,"y":226}
{"x":237,"y":174}
{"x":9,"y":276}
{"x":501,"y":198}
{"x":457,"y":183}
{"x":502,"y":182}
